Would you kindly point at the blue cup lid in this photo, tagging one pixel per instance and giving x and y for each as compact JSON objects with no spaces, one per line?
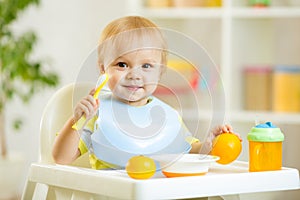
{"x":265,"y":133}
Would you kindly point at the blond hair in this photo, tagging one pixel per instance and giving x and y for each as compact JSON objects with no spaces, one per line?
{"x":128,"y":34}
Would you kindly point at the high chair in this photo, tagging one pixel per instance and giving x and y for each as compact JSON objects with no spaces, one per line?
{"x":47,"y":180}
{"x":57,"y":111}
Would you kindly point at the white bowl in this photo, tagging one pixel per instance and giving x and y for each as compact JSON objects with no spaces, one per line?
{"x":186,"y":164}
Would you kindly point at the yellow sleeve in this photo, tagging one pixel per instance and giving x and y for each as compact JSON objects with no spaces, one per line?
{"x":84,"y":140}
{"x":82,"y":147}
{"x":89,"y":125}
{"x":191,"y":139}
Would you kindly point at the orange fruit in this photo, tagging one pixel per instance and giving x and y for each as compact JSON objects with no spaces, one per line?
{"x":227,"y":146}
{"x":140,"y":167}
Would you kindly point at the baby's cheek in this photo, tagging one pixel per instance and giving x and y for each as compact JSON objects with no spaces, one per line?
{"x":112,"y":82}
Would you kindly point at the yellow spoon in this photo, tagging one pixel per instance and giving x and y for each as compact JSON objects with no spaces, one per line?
{"x":102,"y":80}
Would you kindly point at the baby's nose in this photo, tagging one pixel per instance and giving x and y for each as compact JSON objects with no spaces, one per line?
{"x":134,"y":73}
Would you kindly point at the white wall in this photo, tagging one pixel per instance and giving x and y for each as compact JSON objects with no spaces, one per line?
{"x":67,"y":31}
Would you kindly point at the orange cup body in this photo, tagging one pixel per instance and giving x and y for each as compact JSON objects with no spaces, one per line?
{"x":265,"y":156}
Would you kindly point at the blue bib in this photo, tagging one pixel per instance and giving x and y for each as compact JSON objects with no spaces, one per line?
{"x":122,"y":131}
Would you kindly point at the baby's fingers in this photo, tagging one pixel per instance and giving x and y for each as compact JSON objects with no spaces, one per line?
{"x":89,"y":105}
{"x":92,"y":92}
{"x":90,"y":102}
{"x":226,"y":129}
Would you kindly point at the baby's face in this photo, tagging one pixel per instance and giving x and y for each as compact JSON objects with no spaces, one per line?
{"x":135,"y":75}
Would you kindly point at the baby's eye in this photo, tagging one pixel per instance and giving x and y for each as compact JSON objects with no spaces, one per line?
{"x":146,"y":66}
{"x":122,"y":64}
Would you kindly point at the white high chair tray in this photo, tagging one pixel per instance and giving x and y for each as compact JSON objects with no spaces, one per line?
{"x":220,"y":180}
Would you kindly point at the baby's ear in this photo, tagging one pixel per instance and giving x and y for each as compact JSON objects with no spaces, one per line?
{"x":101,"y":67}
{"x":163,"y":69}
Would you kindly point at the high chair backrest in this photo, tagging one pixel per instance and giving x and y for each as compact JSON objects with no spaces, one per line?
{"x":57,"y":111}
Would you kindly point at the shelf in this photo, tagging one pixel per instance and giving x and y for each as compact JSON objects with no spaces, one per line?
{"x":275,"y":12}
{"x":182,"y":12}
{"x":245,"y":116}
{"x":246,"y":12}
{"x":275,"y":117}
{"x":236,"y":35}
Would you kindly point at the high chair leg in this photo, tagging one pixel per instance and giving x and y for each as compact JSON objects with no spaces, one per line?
{"x":231,"y":197}
{"x":40,"y":192}
{"x":35,"y":191}
{"x":77,"y":195}
{"x":28,"y":190}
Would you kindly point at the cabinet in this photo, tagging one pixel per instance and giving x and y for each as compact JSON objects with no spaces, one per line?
{"x":237,"y":35}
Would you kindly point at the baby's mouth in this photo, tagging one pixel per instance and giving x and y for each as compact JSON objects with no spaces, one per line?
{"x":133,"y":87}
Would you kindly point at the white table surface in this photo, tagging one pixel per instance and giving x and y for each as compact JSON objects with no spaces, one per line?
{"x":220,"y":180}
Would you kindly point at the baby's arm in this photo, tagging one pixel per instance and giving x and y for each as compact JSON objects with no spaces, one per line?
{"x":65,"y":149}
{"x":205,"y":147}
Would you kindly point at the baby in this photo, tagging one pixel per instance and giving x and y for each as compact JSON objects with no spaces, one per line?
{"x":133,"y":53}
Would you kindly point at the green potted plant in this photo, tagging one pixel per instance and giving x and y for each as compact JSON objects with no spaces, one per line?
{"x":21,"y":76}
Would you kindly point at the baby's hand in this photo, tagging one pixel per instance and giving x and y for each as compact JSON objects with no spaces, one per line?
{"x":87,"y":106}
{"x":207,"y":145}
{"x":223,"y":129}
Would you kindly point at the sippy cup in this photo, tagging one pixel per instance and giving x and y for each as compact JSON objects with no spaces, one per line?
{"x":265,"y":147}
